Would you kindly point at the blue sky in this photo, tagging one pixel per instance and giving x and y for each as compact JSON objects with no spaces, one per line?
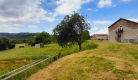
{"x":43,"y":15}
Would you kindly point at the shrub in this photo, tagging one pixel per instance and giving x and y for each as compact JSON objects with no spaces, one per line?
{"x":32,"y":43}
{"x":11,"y":45}
{"x":29,"y":43}
{"x":89,"y":45}
{"x":4,"y":42}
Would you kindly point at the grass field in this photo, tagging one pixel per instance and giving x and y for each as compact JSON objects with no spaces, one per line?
{"x":110,"y":61}
{"x":17,"y":57}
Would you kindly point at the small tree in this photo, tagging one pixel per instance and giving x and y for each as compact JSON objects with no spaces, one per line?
{"x":4,"y":42}
{"x":11,"y":45}
{"x":71,"y":29}
{"x":42,"y":38}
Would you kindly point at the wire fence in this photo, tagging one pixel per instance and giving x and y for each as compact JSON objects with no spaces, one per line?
{"x":18,"y":74}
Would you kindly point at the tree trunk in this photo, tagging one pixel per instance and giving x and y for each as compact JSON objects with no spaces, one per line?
{"x":79,"y":45}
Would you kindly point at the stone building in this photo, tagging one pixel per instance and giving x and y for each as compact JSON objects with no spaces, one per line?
{"x":123,"y":31}
{"x":39,"y":45}
{"x":99,"y":37}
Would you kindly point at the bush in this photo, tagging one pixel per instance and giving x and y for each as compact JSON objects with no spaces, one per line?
{"x":32,"y":43}
{"x":11,"y":45}
{"x":2,"y":46}
{"x":4,"y":42}
{"x":29,"y":43}
{"x":89,"y":45}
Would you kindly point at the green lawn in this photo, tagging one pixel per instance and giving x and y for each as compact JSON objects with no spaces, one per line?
{"x":17,"y":57}
{"x":109,"y":61}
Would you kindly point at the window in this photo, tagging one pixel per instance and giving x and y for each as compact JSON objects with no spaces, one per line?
{"x":121,"y":28}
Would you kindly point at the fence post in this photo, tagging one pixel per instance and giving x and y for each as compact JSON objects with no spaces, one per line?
{"x":25,"y":73}
{"x":46,"y":61}
{"x":57,"y":56}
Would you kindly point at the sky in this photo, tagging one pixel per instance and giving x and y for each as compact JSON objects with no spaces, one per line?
{"x":43,"y":15}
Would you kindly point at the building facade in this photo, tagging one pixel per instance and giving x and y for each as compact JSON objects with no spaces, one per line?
{"x":99,"y":37}
{"x":123,"y":31}
{"x":40,"y":45}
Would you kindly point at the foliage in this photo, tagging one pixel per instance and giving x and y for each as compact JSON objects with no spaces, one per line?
{"x":32,"y":43}
{"x":18,"y":35}
{"x":86,"y":35}
{"x":72,"y":29}
{"x":29,"y":41}
{"x":2,"y":45}
{"x":18,"y":41}
{"x":11,"y":45}
{"x":4,"y":42}
{"x":43,"y":38}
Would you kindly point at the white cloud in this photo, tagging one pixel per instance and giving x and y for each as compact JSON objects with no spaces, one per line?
{"x":125,"y":0}
{"x":134,"y":19}
{"x":86,"y":1}
{"x":102,"y":31}
{"x":50,"y":13}
{"x":114,"y":6}
{"x":103,"y":3}
{"x":32,"y":26}
{"x":96,"y":10}
{"x":89,"y":9}
{"x":95,"y":28}
{"x":102,"y":22}
{"x":18,"y":12}
{"x":67,"y":6}
{"x":87,"y":21}
{"x":49,"y":19}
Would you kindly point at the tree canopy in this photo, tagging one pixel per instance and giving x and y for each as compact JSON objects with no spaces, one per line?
{"x":72,"y":29}
{"x":4,"y":43}
{"x":43,"y":38}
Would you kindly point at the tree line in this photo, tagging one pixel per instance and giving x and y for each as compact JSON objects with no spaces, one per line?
{"x":5,"y":44}
{"x":18,"y":35}
{"x":43,"y":37}
{"x":72,"y":30}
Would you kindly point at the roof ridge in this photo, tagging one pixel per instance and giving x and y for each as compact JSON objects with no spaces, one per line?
{"x":122,"y":19}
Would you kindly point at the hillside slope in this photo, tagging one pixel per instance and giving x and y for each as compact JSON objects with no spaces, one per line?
{"x":110,"y":61}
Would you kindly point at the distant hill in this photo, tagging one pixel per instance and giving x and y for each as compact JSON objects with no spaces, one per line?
{"x":18,"y":35}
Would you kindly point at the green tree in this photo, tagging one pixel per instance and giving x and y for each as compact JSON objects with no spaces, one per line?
{"x":86,"y":35}
{"x":71,"y":29}
{"x":4,"y":42}
{"x":11,"y":45}
{"x":42,"y":38}
{"x":2,"y":45}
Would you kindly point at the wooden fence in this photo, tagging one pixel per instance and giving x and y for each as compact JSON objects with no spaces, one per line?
{"x":26,"y":67}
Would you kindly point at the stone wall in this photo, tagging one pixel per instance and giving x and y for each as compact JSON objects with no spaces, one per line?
{"x":128,"y":33}
{"x":101,"y":37}
{"x":123,"y":22}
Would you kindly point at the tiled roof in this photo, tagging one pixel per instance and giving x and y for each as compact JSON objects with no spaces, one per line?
{"x":99,"y":35}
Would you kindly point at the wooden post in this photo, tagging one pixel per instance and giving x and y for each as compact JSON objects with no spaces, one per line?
{"x":25,"y":73}
{"x":46,"y":62}
{"x":57,"y":56}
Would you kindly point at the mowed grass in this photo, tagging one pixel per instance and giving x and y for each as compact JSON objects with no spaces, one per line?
{"x":17,"y":57}
{"x":110,"y":61}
